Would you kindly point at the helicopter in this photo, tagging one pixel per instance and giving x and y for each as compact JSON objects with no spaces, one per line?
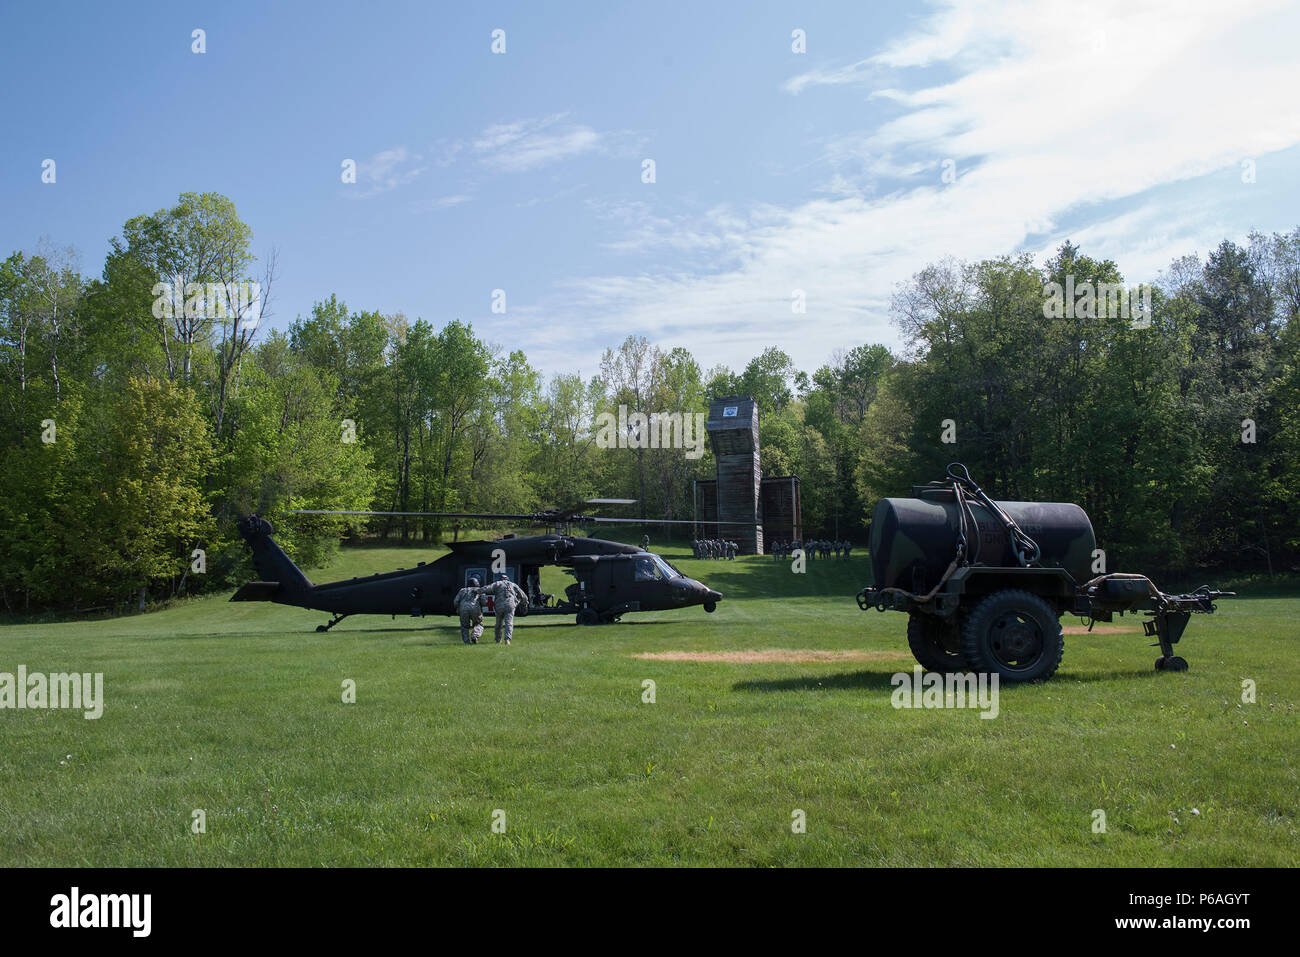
{"x":611,"y":579}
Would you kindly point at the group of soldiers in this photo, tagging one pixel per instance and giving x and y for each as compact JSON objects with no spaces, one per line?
{"x":714,"y":548}
{"x":506,"y":596}
{"x":814,"y":548}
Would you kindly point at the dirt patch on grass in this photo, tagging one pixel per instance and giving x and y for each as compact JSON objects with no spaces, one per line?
{"x":781,"y":655}
{"x":1099,"y":630}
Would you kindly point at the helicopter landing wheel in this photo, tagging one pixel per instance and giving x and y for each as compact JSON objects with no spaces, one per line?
{"x":710,"y":606}
{"x":321,"y":628}
{"x":588,"y":616}
{"x":1171,"y":663}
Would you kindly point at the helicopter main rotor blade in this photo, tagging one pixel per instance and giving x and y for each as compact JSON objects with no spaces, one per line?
{"x":600,"y":520}
{"x":535,"y":518}
{"x":321,"y":511}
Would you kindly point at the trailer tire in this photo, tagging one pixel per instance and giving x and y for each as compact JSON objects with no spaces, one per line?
{"x":926,"y":636}
{"x":1014,"y":634}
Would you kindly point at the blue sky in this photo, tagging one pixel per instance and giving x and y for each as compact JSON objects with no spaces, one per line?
{"x":1123,"y":126}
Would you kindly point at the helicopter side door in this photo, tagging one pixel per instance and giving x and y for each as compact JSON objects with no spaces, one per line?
{"x":485,"y":576}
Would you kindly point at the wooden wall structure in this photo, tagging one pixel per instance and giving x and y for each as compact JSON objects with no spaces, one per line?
{"x":706,"y":507}
{"x":782,"y":511}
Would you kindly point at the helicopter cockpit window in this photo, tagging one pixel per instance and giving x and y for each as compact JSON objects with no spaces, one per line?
{"x":646,"y":570}
{"x":665,"y":570}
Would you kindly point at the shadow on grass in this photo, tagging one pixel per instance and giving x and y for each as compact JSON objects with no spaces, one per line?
{"x":566,"y":621}
{"x":883,"y":680}
{"x":1089,"y":677}
{"x":850,"y":680}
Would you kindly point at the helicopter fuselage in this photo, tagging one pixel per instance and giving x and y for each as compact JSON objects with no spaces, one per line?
{"x":610,"y":579}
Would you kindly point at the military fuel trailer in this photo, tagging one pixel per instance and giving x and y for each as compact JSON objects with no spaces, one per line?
{"x":984,"y":583}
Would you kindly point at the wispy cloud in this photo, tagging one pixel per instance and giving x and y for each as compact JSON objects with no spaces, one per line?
{"x":829,"y":76}
{"x":528,"y":144}
{"x":443,"y":202}
{"x":389,"y":169}
{"x":1103,"y":116}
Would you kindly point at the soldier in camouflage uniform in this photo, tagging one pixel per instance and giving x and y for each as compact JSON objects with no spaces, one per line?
{"x":467,"y":606}
{"x":506,"y":595}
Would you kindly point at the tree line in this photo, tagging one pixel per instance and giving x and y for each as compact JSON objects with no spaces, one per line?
{"x":143,"y":412}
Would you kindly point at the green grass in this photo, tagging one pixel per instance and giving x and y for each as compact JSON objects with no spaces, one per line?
{"x":236,"y":709}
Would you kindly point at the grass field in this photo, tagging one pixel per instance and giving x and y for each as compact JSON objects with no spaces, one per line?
{"x":237,"y":709}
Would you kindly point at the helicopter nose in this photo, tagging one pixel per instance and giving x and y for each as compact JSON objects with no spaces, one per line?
{"x":711,"y":595}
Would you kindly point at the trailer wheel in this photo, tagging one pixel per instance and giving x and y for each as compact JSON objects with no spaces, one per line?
{"x":1014,"y":634}
{"x":935,"y":642}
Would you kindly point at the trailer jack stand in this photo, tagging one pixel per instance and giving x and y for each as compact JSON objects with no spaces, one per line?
{"x":333,"y":622}
{"x":1167,"y":627}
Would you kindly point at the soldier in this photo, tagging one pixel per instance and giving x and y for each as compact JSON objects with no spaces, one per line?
{"x":645,"y":542}
{"x":836,"y":549}
{"x":505,"y":596}
{"x":847,"y":545}
{"x":467,"y":606}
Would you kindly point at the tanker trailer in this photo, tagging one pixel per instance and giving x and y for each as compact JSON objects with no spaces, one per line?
{"x":985,"y":583}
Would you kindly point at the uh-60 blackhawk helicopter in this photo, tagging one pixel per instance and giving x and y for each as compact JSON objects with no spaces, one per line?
{"x":611,"y":579}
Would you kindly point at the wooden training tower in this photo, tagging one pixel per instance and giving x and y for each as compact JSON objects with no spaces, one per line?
{"x":732,"y":426}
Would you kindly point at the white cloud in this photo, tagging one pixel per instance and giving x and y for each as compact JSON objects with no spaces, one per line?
{"x":829,"y":76}
{"x":444,"y":202}
{"x":527,"y":144}
{"x":389,"y":169}
{"x":1052,"y":112}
